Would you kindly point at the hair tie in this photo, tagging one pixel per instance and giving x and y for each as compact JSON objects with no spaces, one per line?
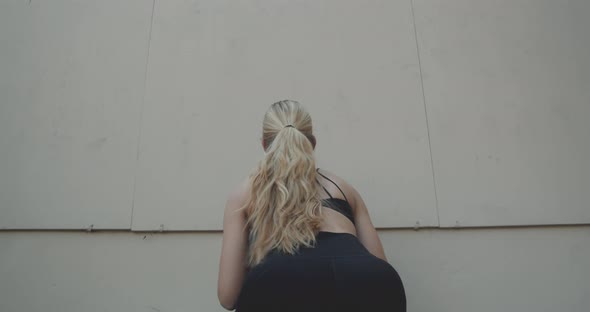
{"x":289,"y":126}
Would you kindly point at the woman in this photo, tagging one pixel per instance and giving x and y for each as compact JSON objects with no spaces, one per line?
{"x":299,"y":238}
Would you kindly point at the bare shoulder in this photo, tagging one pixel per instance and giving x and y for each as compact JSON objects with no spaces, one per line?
{"x":347,"y":187}
{"x":366,"y":231}
{"x":239,"y":194}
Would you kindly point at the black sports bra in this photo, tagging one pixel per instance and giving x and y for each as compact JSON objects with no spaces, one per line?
{"x":337,"y":204}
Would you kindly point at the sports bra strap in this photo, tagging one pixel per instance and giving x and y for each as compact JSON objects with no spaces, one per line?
{"x":324,"y":188}
{"x":318,"y":171}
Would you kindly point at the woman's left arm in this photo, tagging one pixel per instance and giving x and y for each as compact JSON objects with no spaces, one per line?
{"x":232,"y":264}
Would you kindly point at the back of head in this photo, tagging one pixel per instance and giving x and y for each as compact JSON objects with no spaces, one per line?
{"x":283,"y":210}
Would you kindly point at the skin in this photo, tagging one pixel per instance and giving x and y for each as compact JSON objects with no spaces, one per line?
{"x":232,"y":268}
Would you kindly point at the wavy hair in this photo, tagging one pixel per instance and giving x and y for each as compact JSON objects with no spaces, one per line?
{"x":283,"y":210}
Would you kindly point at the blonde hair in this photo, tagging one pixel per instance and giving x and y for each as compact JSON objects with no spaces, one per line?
{"x":284,"y":209}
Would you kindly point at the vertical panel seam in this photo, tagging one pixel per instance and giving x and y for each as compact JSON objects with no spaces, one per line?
{"x":142,"y":104}
{"x":333,"y":269}
{"x":436,"y":206}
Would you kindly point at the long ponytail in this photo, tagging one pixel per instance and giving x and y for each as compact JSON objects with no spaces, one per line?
{"x":283,"y":211}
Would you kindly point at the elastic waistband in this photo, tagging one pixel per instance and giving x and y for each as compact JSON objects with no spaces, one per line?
{"x":328,"y":244}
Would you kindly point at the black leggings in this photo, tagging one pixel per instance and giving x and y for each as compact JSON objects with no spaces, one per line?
{"x":338,"y":274}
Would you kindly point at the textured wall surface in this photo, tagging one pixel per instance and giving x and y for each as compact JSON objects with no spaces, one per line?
{"x":483,"y":270}
{"x":135,"y":117}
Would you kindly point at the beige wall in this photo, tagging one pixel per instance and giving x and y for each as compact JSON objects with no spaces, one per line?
{"x":483,"y":270}
{"x":138,"y":116}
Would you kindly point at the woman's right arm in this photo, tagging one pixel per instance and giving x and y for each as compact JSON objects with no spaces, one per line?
{"x":364,"y":227}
